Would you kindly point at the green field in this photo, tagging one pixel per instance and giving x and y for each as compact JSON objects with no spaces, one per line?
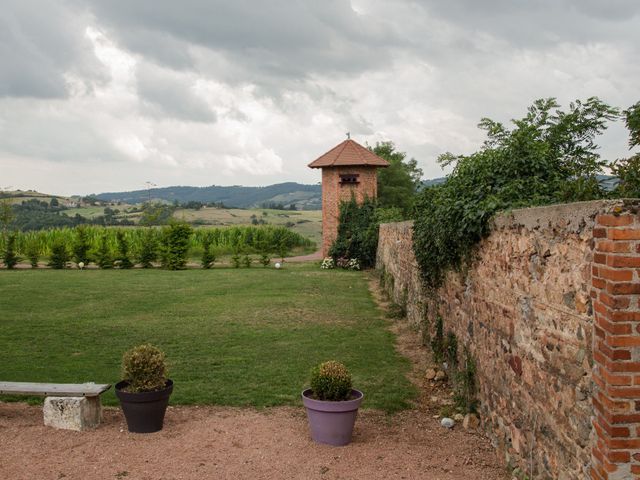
{"x":232,"y":336}
{"x":307,"y":223}
{"x":87,"y":212}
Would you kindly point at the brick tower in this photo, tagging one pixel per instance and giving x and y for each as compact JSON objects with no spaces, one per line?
{"x":347,"y":169}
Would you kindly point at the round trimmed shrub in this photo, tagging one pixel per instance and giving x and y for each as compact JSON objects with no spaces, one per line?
{"x":331,"y":381}
{"x":144,"y":369}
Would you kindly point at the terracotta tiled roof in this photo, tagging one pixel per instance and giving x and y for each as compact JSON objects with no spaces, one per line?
{"x":348,"y":153}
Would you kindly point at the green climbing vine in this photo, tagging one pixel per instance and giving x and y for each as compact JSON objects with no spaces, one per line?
{"x":549,"y":156}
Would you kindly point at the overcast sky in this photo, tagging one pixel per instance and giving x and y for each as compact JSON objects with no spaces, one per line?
{"x":105,"y":95}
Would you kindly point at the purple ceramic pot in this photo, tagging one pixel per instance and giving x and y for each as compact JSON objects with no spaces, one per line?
{"x":332,"y":422}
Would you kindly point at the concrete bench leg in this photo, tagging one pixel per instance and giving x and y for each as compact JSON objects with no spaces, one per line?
{"x":72,"y":413}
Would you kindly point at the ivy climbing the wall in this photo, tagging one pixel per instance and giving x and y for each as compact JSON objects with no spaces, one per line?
{"x":549,"y":156}
{"x":357,"y":232}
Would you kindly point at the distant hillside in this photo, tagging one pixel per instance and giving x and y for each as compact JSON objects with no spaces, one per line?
{"x":607,"y":182}
{"x":306,"y":197}
{"x":433,"y":181}
{"x":16,"y":197}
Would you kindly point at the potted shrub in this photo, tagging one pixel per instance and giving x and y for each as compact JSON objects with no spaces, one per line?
{"x":331,"y":403}
{"x":144,"y":393}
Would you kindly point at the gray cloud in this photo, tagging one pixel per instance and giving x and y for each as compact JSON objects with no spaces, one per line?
{"x":52,"y":134}
{"x":541,"y":23}
{"x":40,"y":42}
{"x":167,"y":94}
{"x":279,"y":38}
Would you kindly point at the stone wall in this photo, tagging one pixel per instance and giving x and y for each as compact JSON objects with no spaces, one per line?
{"x":525,"y":312}
{"x":334,"y":192}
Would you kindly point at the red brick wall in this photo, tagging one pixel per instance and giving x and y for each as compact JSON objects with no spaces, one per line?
{"x":550,"y":311}
{"x":616,"y":348}
{"x":333,"y":192}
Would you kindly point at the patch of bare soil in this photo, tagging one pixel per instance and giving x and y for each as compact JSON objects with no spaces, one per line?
{"x":239,"y":443}
{"x":312,"y":257}
{"x":234,"y":443}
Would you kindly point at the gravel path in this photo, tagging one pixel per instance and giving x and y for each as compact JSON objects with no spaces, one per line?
{"x":234,"y":443}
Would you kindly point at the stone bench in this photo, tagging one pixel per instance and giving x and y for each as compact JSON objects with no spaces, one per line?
{"x":71,"y":406}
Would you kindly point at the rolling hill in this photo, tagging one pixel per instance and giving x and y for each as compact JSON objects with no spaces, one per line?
{"x":306,"y":197}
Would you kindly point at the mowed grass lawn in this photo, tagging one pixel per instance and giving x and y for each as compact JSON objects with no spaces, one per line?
{"x":232,"y":336}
